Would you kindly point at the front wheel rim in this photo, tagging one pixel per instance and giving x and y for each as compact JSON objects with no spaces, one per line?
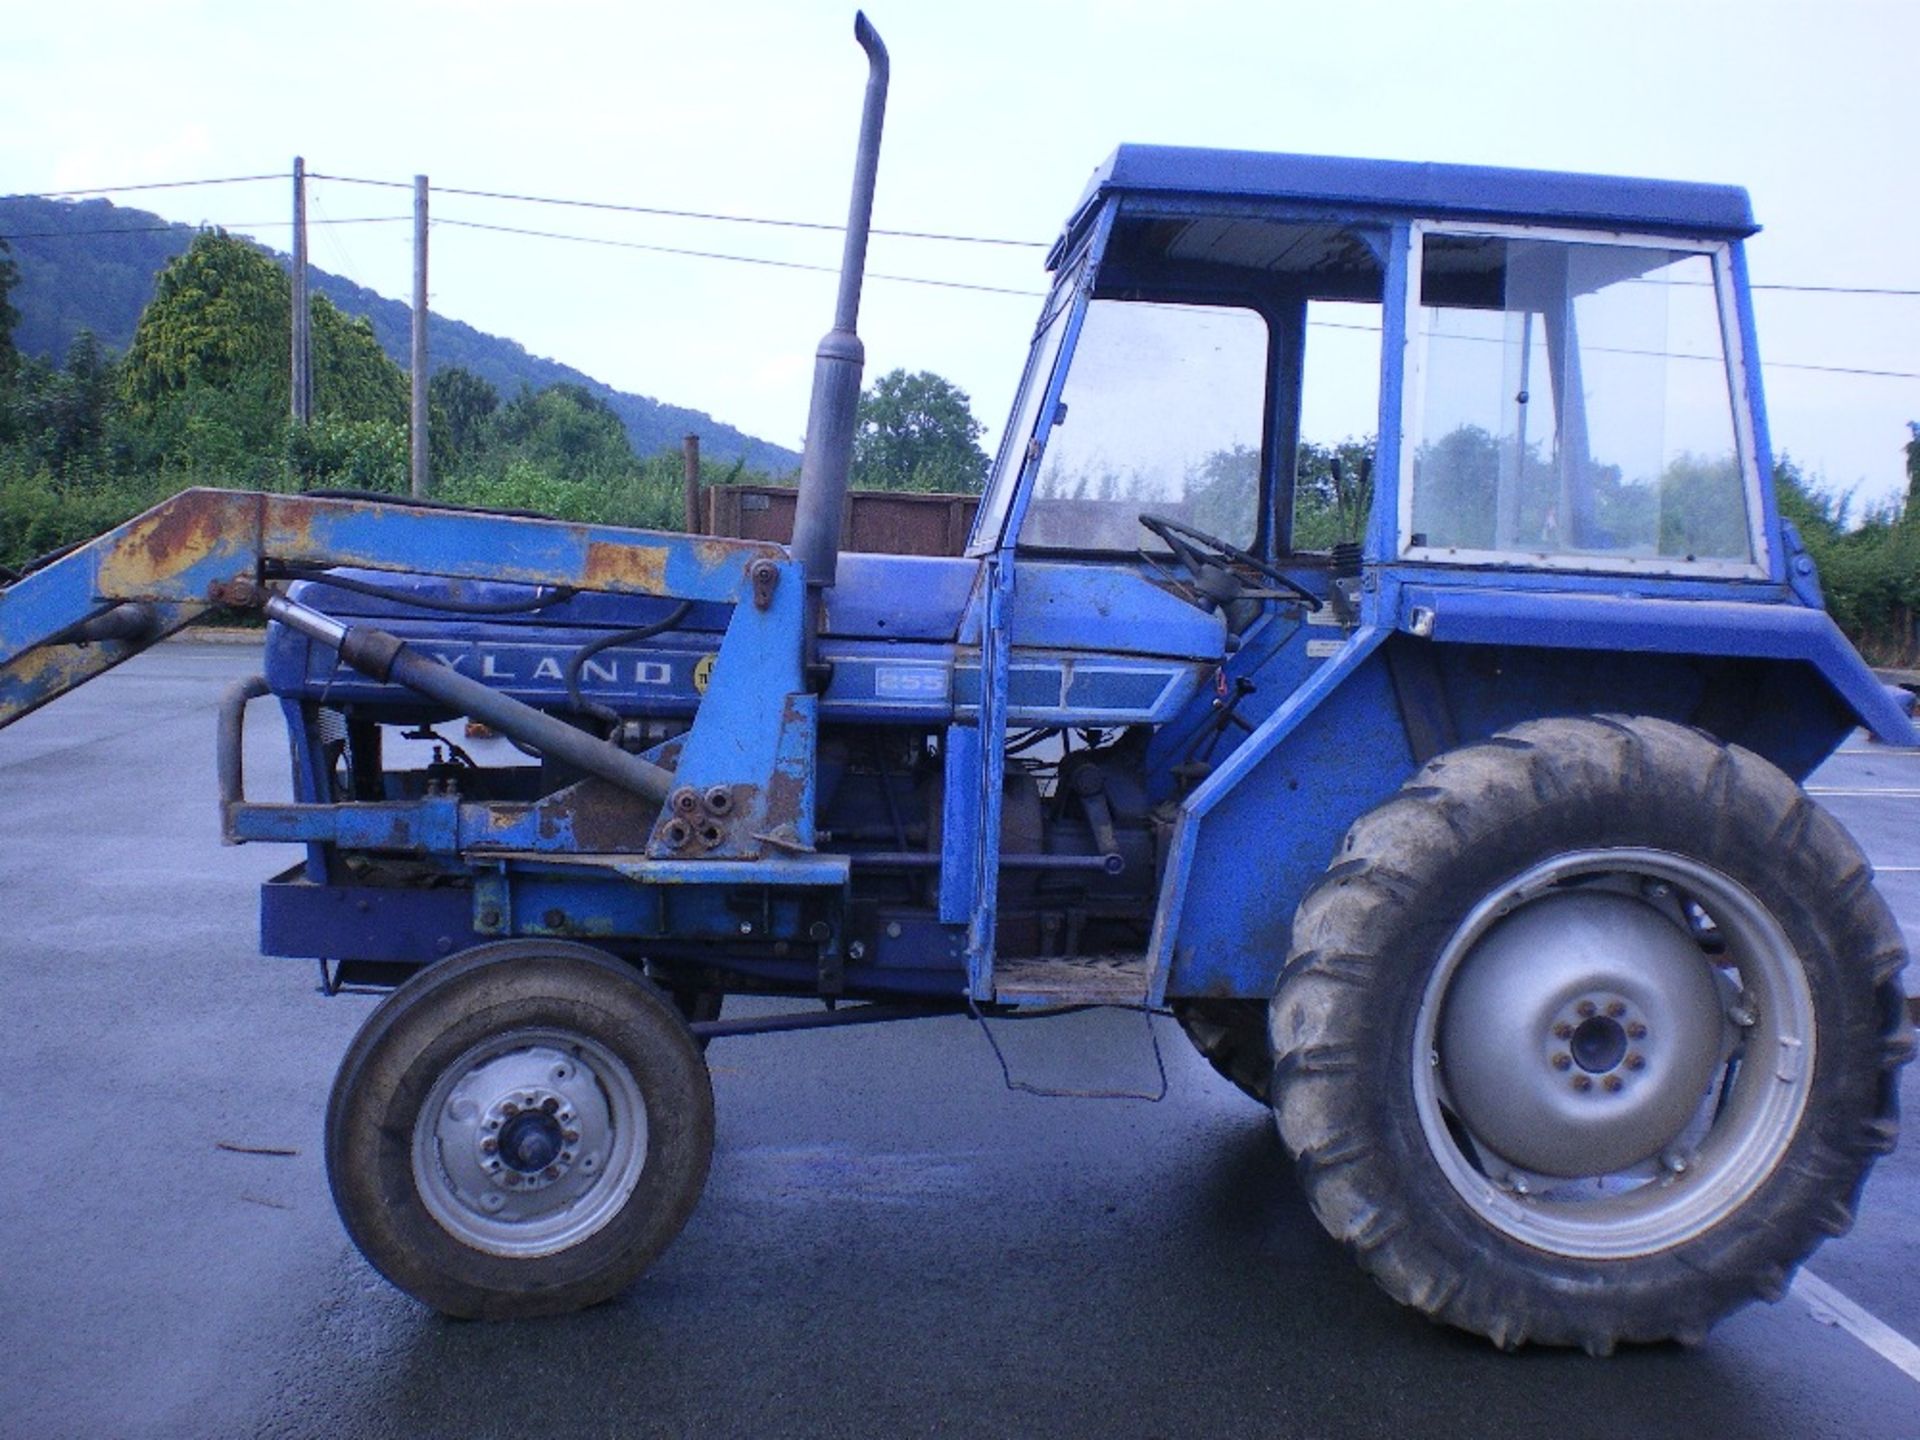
{"x":530,"y":1142}
{"x":1728,"y":1145}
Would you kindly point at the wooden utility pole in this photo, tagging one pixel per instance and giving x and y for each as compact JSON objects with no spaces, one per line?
{"x":302,"y":375}
{"x":419,"y":336}
{"x":690,"y":450}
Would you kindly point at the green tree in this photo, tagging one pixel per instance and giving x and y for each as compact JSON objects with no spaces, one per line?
{"x":336,"y":454}
{"x":1913,"y":470}
{"x":461,"y":403}
{"x":352,"y":377}
{"x":9,"y":317}
{"x":218,"y":318}
{"x":917,"y":432}
{"x":205,"y":384}
{"x":566,"y":429}
{"x":61,"y":415}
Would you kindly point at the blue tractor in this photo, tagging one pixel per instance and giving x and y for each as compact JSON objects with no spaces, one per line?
{"x":1446,"y":794}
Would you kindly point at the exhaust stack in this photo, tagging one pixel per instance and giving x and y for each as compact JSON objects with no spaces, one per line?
{"x":827,"y":463}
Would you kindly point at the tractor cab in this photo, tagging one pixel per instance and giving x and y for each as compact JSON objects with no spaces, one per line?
{"x":1443,"y":365}
{"x":1322,"y":402}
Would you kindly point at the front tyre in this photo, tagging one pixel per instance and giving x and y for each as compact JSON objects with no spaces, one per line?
{"x":1590,"y":1034}
{"x":519,"y":1130}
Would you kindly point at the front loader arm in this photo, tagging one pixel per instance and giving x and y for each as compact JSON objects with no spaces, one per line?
{"x":83,"y":613}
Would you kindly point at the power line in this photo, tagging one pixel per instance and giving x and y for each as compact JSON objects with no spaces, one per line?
{"x":795,"y":264}
{"x":150,"y":185}
{"x":764,"y":220}
{"x":1838,"y":370}
{"x":1837,"y":289}
{"x":1799,"y":289}
{"x":736,"y":259}
{"x":205,"y":225}
{"x":687,"y":214}
{"x":732,"y":219}
{"x":1650,"y":354}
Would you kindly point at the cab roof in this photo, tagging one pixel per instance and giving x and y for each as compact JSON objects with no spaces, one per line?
{"x":1402,"y":187}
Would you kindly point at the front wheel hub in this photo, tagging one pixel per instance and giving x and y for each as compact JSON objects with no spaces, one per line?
{"x":1580,"y":1034}
{"x":529,"y":1142}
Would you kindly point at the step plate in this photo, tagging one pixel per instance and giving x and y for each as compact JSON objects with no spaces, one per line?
{"x":1089,"y":980}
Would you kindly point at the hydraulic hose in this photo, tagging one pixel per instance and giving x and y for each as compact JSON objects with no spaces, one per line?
{"x":605,"y":714}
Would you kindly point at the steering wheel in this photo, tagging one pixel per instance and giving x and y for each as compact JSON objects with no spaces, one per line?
{"x":1204,"y":557}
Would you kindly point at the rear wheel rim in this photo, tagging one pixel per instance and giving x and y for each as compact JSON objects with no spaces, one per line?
{"x":530,"y":1142}
{"x":1727,"y":1146}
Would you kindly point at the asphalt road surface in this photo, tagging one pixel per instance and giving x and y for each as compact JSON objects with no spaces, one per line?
{"x":891,"y":1243}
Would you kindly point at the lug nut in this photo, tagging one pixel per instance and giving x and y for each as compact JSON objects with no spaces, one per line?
{"x":1582,"y":1082}
{"x":1563,"y":1061}
{"x":572,"y":1137}
{"x":1587,"y":1009}
{"x":1612,"y":1082}
{"x":1636,"y":1061}
{"x":509,"y":1108}
{"x":550,"y":1105}
{"x":489,"y":1145}
{"x":1563,"y":1031}
{"x":1615,"y":1009}
{"x":1636,"y":1031}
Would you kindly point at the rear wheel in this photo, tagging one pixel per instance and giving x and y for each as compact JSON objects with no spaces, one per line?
{"x":1590,"y":1034}
{"x":519,"y":1130}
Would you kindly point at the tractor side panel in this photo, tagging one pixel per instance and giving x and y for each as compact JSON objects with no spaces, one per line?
{"x":1267,"y":839}
{"x":1249,"y":850}
{"x":1783,"y":710}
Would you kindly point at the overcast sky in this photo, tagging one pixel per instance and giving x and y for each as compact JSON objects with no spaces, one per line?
{"x":999,"y":112}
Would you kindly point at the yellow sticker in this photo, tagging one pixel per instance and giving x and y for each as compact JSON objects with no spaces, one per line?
{"x":703,"y":672}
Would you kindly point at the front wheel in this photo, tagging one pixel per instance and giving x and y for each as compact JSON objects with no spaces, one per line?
{"x":1590,"y":1034}
{"x":519,"y":1130}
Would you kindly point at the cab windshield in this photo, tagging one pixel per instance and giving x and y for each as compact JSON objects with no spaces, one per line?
{"x":1224,"y":377}
{"x":1574,"y":406}
{"x":1161,"y":415}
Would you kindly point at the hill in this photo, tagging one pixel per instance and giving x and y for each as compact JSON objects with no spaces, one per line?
{"x":90,"y":265}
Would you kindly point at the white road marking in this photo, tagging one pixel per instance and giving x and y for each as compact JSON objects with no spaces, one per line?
{"x":1896,"y":869}
{"x":1895,"y":750}
{"x":1850,"y":791}
{"x":1830,"y":1307}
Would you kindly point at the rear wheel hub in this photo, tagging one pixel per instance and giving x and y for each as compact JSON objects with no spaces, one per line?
{"x":1580,"y":1034}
